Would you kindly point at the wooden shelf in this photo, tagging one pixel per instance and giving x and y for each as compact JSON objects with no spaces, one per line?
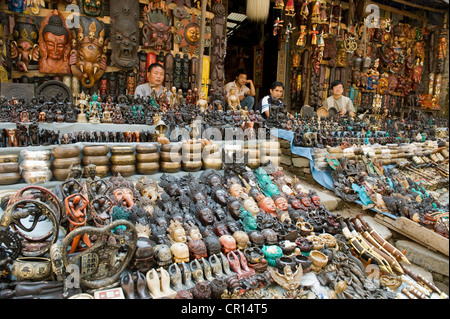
{"x":107,"y":20}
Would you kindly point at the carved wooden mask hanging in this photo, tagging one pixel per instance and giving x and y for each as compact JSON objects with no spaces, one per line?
{"x":88,"y":55}
{"x":93,"y":8}
{"x":54,"y":44}
{"x":125,"y":33}
{"x":156,"y":31}
{"x":24,"y":47}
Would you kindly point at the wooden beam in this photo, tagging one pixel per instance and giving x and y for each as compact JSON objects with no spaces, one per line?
{"x":393,"y":10}
{"x":202,"y":45}
{"x":418,"y":6}
{"x":416,"y":232}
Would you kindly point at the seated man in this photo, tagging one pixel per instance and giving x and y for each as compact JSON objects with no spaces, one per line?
{"x":342,"y":103}
{"x":276,"y":93}
{"x":156,"y":76}
{"x":246,"y":95}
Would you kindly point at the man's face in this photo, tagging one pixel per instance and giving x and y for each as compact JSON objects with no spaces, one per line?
{"x":242,"y":79}
{"x":338,"y":90}
{"x":156,"y":76}
{"x":277,"y":92}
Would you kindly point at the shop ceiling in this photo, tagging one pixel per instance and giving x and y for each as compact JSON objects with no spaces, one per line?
{"x":237,"y":18}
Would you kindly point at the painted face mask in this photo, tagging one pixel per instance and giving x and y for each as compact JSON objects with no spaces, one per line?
{"x":88,"y":58}
{"x":17,"y":5}
{"x":156,"y":32}
{"x":268,"y":205}
{"x":93,"y":8}
{"x":282,"y":203}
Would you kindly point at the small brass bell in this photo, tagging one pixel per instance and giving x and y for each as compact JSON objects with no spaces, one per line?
{"x":161,"y":127}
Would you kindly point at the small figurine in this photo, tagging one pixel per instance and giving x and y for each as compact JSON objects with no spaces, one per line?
{"x":76,"y":207}
{"x":202,"y":103}
{"x":82,"y":104}
{"x":94,"y":110}
{"x":173,"y":97}
{"x":233,"y":100}
{"x":106,"y":118}
{"x":314,"y":33}
{"x":302,"y":37}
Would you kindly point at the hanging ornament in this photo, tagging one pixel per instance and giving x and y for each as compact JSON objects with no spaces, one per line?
{"x":302,"y":37}
{"x":316,"y":10}
{"x":339,"y":20}
{"x":304,"y":11}
{"x":277,"y":25}
{"x":350,"y":44}
{"x":258,"y":10}
{"x":289,"y":30}
{"x":290,"y":8}
{"x":431,"y":78}
{"x":314,"y":34}
{"x":323,"y":12}
{"x":321,"y":42}
{"x":279,"y":4}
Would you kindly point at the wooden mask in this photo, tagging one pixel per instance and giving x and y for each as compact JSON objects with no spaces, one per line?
{"x":89,"y":45}
{"x":157,"y":33}
{"x":17,"y":5}
{"x":124,"y":33}
{"x":93,"y":8}
{"x":24,"y":47}
{"x":54,"y":45}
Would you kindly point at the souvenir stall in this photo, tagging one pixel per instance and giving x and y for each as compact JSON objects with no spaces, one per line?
{"x":104,"y":195}
{"x":391,"y":64}
{"x":390,"y":61}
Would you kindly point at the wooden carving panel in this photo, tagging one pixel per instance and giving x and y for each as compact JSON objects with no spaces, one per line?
{"x":124,"y":33}
{"x":218,"y":25}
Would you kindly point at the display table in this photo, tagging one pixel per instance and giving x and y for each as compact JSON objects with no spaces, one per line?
{"x":74,"y":127}
{"x":321,"y":177}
